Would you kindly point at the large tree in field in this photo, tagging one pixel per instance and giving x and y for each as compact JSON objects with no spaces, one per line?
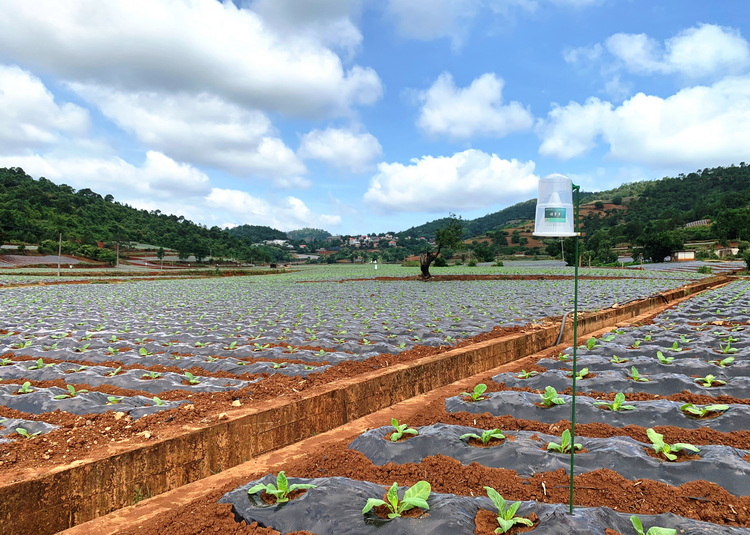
{"x":448,"y":236}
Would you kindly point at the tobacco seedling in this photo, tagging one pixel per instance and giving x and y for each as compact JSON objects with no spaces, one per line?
{"x":709,"y":381}
{"x":657,"y":440}
{"x":112,"y":339}
{"x":23,"y":345}
{"x":144,"y":352}
{"x":113,"y":400}
{"x":550,"y":397}
{"x":25,"y":434}
{"x":5,"y":362}
{"x":486,"y":436}
{"x":723,"y":363}
{"x":526,"y":375}
{"x":158,"y":401}
{"x":506,"y":514}
{"x":256,"y":346}
{"x":72,"y":392}
{"x":477,"y":394}
{"x":39,"y":364}
{"x":416,"y":496}
{"x":563,"y":357}
{"x":663,"y":359}
{"x":654,"y":530}
{"x":401,"y":430}
{"x":635,"y":376}
{"x":232,"y":346}
{"x":565,"y":444}
{"x":617,"y":360}
{"x":281,"y":489}
{"x":636,"y":344}
{"x":675,"y":347}
{"x":50,"y":348}
{"x":591,"y":343}
{"x":700,"y":412}
{"x":278,"y":365}
{"x":727,"y":348}
{"x":581,"y":374}
{"x":25,"y":388}
{"x":81,"y":349}
{"x":151,"y":375}
{"x":617,"y":404}
{"x":192,"y":379}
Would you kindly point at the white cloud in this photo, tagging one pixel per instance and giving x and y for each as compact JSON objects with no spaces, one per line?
{"x":29,"y":115}
{"x":706,"y":50}
{"x":432,"y":19}
{"x":461,"y":113}
{"x":467,"y":180}
{"x":200,"y":129}
{"x":341,"y":148}
{"x":288,"y":214}
{"x":698,"y":126}
{"x":159,"y":178}
{"x":195,"y":46}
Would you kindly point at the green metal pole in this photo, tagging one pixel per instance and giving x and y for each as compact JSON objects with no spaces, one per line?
{"x":577,"y":190}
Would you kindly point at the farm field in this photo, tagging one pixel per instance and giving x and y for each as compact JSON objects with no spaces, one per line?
{"x":91,"y":368}
{"x":697,"y":487}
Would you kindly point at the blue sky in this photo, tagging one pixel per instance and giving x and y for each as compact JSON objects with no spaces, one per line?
{"x":360,"y":116}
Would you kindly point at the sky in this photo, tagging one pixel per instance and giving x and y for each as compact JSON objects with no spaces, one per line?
{"x":367,"y":116}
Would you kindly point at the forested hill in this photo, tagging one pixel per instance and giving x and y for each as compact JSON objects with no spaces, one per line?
{"x":33,"y":211}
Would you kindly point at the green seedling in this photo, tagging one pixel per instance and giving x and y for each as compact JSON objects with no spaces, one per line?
{"x":506,"y":514}
{"x":591,"y":343}
{"x":111,"y":350}
{"x":709,"y":381}
{"x":618,"y":404}
{"x":701,"y":412}
{"x":80,"y":369}
{"x":292,"y":349}
{"x":402,"y":345}
{"x":278,"y":365}
{"x":25,"y":434}
{"x":485,"y":437}
{"x":401,"y":430}
{"x":256,"y":347}
{"x":112,"y":339}
{"x":675,"y":347}
{"x":657,"y":441}
{"x":232,"y":346}
{"x":609,"y":337}
{"x":39,"y":364}
{"x":477,"y":394}
{"x":143,"y":352}
{"x":636,"y":344}
{"x":526,"y":375}
{"x":72,"y":392}
{"x":212,"y":359}
{"x":727,"y":348}
{"x":23,"y":345}
{"x":654,"y":530}
{"x":663,"y":359}
{"x":281,"y":489}
{"x":25,"y":388}
{"x":550,"y":397}
{"x":5,"y":362}
{"x":113,"y":400}
{"x":151,"y":375}
{"x":200,"y":344}
{"x":192,"y":379}
{"x":581,"y":374}
{"x":50,"y":348}
{"x":684,"y":339}
{"x":648,"y":338}
{"x":565,"y":444}
{"x":617,"y":360}
{"x":321,"y":353}
{"x":635,"y":376}
{"x":81,"y":349}
{"x":563,"y":357}
{"x":158,"y":401}
{"x":723,"y":363}
{"x":416,"y":496}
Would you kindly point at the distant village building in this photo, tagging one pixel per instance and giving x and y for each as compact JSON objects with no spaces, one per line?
{"x":683,"y":256}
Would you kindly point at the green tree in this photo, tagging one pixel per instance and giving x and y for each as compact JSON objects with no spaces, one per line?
{"x":658,"y":245}
{"x":446,"y":236}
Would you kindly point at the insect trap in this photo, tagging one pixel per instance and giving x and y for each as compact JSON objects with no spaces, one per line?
{"x":555,"y":216}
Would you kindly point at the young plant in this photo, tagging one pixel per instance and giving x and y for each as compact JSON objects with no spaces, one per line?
{"x":635,"y":376}
{"x":151,"y":375}
{"x":39,"y":364}
{"x":617,"y":360}
{"x":25,"y":388}
{"x":25,"y":434}
{"x":526,"y":375}
{"x":5,"y":362}
{"x":158,"y":402}
{"x":486,"y":437}
{"x":723,"y":363}
{"x":416,"y":496}
{"x":663,"y":359}
{"x":617,"y":405}
{"x":232,"y":346}
{"x":113,"y":400}
{"x":143,"y":352}
{"x":700,"y":412}
{"x":636,"y":344}
{"x":657,"y":441}
{"x":72,"y":392}
{"x":477,"y":394}
{"x":550,"y":397}
{"x":591,"y":343}
{"x":192,"y":379}
{"x":281,"y":489}
{"x":727,"y":349}
{"x":506,"y":514}
{"x":278,"y":365}
{"x":675,"y":347}
{"x":654,"y":530}
{"x":710,"y":380}
{"x":581,"y":374}
{"x":565,"y":444}
{"x":401,"y":430}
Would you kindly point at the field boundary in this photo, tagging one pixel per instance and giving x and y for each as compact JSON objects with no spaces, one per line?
{"x":87,"y":489}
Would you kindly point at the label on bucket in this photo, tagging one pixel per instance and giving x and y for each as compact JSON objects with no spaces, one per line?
{"x":555,"y":215}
